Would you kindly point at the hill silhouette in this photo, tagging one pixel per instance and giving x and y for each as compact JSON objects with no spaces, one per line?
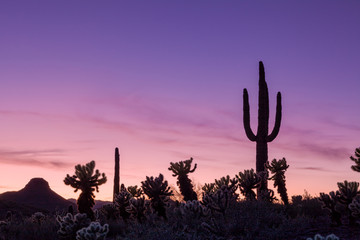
{"x":36,"y":195}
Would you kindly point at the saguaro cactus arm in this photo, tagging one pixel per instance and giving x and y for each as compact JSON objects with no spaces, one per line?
{"x":276,"y":129}
{"x":249,"y":133}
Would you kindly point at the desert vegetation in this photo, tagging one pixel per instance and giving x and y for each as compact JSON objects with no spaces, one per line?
{"x":238,"y":207}
{"x":229,"y":208}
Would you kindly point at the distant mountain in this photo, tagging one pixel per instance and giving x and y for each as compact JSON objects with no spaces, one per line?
{"x":36,"y":195}
{"x":98,"y":203}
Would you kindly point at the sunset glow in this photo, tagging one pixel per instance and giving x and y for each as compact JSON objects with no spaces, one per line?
{"x":163,"y":82}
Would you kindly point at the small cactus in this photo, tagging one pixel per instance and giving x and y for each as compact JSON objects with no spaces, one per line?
{"x":109,"y":211}
{"x":122,"y":201}
{"x":348,"y":191}
{"x":220,"y":200}
{"x":38,"y":217}
{"x":70,"y":224}
{"x":194,"y":209}
{"x":229,"y":183}
{"x":328,"y":237}
{"x":278,"y":168}
{"x":87,"y":180}
{"x":137,"y":208}
{"x":248,"y":180}
{"x":158,"y":191}
{"x":209,"y":188}
{"x":354,"y":207}
{"x":215,"y":228}
{"x":181,"y":170}
{"x":356,"y":159}
{"x":135,"y":191}
{"x":93,"y":232}
{"x":330,"y":202}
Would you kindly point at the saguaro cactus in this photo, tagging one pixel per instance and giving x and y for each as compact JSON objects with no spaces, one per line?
{"x":262,"y":137}
{"x":117,"y":174}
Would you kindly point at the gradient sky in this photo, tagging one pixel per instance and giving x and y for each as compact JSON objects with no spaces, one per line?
{"x":163,"y":81}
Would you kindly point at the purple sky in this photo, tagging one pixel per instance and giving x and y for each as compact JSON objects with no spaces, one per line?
{"x":163,"y":81}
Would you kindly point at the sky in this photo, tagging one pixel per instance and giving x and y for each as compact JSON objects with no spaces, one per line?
{"x":163,"y":81}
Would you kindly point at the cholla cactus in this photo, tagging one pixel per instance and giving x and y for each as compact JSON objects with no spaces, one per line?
{"x":209,"y":188}
{"x":135,"y":191}
{"x":214,"y":228}
{"x":109,"y":211}
{"x":356,"y":159}
{"x":348,"y":191}
{"x":219,"y":201}
{"x":328,"y":237}
{"x":354,"y":207}
{"x":278,"y":168}
{"x":4,"y":226}
{"x":93,"y":232}
{"x":158,"y":191}
{"x":181,"y":170}
{"x":137,"y":208}
{"x":248,"y":180}
{"x":229,"y":183}
{"x":267,"y":195}
{"x":330,"y":201}
{"x":87,"y":181}
{"x":38,"y":217}
{"x":122,"y":201}
{"x":194,"y":209}
{"x":70,"y":224}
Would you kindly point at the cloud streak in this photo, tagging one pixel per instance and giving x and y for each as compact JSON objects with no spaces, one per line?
{"x":40,"y":158}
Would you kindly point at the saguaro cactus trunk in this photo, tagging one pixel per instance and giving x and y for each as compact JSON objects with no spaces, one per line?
{"x":117,"y":173}
{"x":262,"y":137}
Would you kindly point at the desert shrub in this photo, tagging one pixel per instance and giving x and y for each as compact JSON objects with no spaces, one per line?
{"x":29,"y":230}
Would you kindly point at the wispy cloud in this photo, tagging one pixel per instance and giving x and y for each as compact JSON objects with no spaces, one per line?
{"x":41,"y":158}
{"x":313,"y":169}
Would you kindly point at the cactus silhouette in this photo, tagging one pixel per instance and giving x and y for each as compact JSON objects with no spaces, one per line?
{"x":117,"y":174}
{"x":158,"y":191}
{"x":330,"y":202}
{"x":278,"y":168}
{"x":122,"y":201}
{"x":135,"y":191}
{"x":248,"y":180}
{"x":356,"y":159}
{"x":262,"y":137}
{"x":87,"y":181}
{"x":181,"y":170}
